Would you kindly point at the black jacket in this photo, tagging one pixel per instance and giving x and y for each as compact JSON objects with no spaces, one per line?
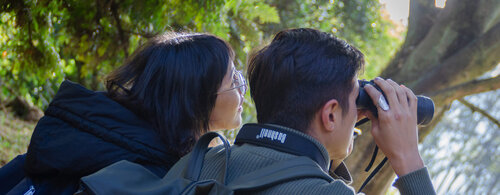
{"x":83,"y":131}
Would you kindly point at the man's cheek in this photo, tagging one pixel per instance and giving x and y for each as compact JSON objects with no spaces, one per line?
{"x":351,"y":145}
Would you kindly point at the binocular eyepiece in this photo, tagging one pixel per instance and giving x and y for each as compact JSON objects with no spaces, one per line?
{"x":425,"y":105}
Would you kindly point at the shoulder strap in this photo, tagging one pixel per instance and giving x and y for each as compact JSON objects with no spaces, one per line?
{"x":301,"y":167}
{"x":195,"y":163}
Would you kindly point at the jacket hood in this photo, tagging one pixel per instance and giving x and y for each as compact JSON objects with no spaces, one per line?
{"x":83,"y":131}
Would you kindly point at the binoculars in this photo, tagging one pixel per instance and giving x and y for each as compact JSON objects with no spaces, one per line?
{"x":425,"y":105}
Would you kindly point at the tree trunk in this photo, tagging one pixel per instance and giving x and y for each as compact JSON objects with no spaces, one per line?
{"x":444,"y":54}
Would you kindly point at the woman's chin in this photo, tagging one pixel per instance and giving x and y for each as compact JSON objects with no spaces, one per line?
{"x":237,"y":122}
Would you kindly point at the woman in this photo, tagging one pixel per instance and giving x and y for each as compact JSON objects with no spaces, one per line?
{"x":173,"y":89}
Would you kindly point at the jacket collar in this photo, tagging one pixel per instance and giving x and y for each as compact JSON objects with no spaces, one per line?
{"x":341,"y":172}
{"x":291,"y":141}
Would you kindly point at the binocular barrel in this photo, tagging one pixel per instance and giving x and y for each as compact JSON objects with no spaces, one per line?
{"x":425,"y":105}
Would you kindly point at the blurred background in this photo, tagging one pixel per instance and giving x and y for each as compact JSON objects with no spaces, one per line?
{"x":447,"y":50}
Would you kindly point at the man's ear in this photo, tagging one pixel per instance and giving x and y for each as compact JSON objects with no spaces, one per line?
{"x":328,"y":115}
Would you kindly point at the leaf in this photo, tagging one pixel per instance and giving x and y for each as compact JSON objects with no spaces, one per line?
{"x":266,"y":13}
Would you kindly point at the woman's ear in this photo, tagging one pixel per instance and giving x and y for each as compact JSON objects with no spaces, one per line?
{"x":328,"y":115}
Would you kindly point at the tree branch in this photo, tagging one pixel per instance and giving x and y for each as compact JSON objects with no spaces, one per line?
{"x":121,"y":34}
{"x":480,"y":111}
{"x":423,"y":131}
{"x":420,"y":21}
{"x":447,"y":95}
{"x":473,"y":60}
{"x":459,"y":25}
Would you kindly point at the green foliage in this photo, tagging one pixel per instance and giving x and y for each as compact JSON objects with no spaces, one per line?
{"x":43,"y":42}
{"x":360,"y":22}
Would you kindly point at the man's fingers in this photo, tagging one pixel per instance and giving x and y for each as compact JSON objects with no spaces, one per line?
{"x":400,"y":92}
{"x":389,"y":91}
{"x":412,"y":98}
{"x":374,"y":95}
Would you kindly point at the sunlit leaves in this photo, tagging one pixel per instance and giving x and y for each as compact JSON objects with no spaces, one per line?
{"x":360,"y":22}
{"x":254,"y":9}
{"x":43,"y":42}
{"x":47,"y":41}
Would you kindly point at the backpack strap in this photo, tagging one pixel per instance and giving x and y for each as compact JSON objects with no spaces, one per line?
{"x":125,"y":177}
{"x":195,"y":163}
{"x":280,"y":172}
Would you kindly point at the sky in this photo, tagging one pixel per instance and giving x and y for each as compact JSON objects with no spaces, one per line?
{"x":399,"y":9}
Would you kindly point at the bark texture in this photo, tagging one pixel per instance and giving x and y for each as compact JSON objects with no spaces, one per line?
{"x":445,"y":53}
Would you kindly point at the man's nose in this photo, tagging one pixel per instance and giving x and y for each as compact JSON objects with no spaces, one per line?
{"x":361,"y":114}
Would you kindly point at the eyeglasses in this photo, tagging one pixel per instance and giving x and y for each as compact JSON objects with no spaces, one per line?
{"x":239,"y":83}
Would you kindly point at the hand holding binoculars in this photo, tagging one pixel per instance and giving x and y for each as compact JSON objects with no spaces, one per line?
{"x":425,"y":105}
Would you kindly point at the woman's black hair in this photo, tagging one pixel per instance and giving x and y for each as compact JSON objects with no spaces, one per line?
{"x":172,"y":81}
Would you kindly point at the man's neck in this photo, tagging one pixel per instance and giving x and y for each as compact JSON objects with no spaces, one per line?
{"x":315,"y":133}
{"x":335,"y":164}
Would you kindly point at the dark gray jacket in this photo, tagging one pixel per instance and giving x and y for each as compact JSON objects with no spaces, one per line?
{"x":246,"y":158}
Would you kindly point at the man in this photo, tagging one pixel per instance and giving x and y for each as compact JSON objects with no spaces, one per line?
{"x":304,"y":85}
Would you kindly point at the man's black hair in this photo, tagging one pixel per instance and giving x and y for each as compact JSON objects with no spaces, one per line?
{"x":298,"y":72}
